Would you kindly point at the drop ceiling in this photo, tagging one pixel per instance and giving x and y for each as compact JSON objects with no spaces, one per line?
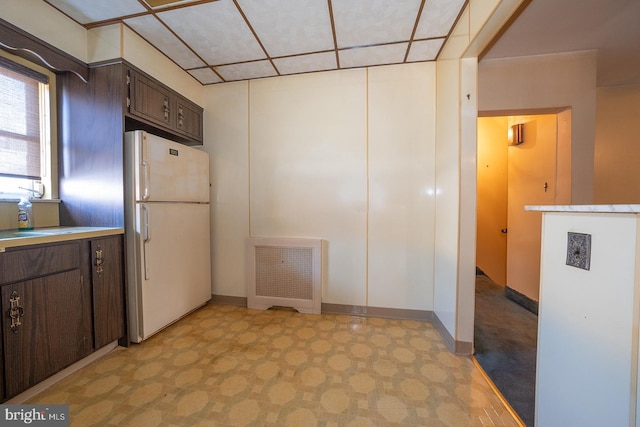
{"x":230,"y":40}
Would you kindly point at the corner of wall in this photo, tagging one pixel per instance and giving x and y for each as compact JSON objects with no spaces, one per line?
{"x":104,"y":43}
{"x":454,"y":346}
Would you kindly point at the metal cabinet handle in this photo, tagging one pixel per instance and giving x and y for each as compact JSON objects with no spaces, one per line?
{"x":15,"y":312}
{"x":166,"y":109}
{"x":99,"y":262}
{"x":180,"y":117}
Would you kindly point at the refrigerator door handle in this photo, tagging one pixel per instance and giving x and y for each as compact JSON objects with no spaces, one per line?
{"x":145,"y":166}
{"x":146,"y":240}
{"x":147,"y":178}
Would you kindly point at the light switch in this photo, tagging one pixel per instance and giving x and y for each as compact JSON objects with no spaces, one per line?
{"x":579,"y":250}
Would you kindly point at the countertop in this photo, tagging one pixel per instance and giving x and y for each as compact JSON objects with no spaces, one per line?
{"x":586,"y":208}
{"x":14,"y":238}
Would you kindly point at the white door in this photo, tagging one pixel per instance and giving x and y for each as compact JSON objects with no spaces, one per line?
{"x":175,"y":275}
{"x":491,"y":240}
{"x":531,"y":181}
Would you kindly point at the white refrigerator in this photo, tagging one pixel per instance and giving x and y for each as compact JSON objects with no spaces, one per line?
{"x":167,"y":232}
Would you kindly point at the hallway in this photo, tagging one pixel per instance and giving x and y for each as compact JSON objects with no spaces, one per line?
{"x":505,"y":346}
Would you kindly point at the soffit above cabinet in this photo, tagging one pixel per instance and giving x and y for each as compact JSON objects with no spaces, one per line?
{"x":228,"y":40}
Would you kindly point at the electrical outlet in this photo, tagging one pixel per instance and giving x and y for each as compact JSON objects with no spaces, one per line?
{"x":579,"y":250}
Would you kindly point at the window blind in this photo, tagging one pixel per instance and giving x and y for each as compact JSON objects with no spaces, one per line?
{"x":19,"y":122}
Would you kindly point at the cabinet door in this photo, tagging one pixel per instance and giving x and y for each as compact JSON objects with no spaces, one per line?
{"x":108,"y":290}
{"x":189,"y":119}
{"x":46,"y":327}
{"x":150,"y":101}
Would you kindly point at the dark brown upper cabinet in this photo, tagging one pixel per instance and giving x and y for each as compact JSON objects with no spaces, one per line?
{"x":153,"y":103}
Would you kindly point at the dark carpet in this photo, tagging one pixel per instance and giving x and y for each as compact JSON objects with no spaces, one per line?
{"x":505,"y":346}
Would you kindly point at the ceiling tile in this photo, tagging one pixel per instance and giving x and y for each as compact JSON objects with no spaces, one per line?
{"x":437,"y":18}
{"x":158,"y":35}
{"x":424,"y":50}
{"x":216,"y":31}
{"x":289,"y":27}
{"x":247,"y":70}
{"x":374,"y":55}
{"x":87,"y":11}
{"x":205,"y":76}
{"x":306,"y":63}
{"x":367,"y":22}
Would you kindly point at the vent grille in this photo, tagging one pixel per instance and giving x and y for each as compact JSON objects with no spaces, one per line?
{"x":285,"y":272}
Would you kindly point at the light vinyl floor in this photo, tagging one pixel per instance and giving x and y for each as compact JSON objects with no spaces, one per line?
{"x":231,"y":366}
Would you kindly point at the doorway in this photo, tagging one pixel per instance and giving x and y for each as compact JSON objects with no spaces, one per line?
{"x":512,"y":175}
{"x":536,"y":171}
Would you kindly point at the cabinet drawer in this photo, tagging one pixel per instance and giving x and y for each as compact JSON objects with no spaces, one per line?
{"x":27,"y":263}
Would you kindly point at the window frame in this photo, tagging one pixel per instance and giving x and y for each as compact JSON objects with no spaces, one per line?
{"x":48,"y":133}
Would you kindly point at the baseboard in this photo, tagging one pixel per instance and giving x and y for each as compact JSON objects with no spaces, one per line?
{"x":389,"y":313}
{"x":521,"y":299}
{"x":228,"y":300}
{"x":456,"y":347}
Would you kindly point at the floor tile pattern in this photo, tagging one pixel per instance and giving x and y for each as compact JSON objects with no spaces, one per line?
{"x":231,"y":366}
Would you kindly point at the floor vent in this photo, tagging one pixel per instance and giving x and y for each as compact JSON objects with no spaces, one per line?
{"x":285,"y":272}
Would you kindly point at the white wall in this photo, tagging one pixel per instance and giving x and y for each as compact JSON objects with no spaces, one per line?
{"x":447,"y":194}
{"x":46,"y":23}
{"x":226,"y":135}
{"x":308,"y":170}
{"x":346,"y":156}
{"x":543,"y":82}
{"x":401,"y":186}
{"x":617,"y":153}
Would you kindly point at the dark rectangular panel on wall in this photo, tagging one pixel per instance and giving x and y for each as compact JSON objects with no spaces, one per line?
{"x":90,"y":148}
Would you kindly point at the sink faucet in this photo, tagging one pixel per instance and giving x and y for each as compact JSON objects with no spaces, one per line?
{"x":37,"y":193}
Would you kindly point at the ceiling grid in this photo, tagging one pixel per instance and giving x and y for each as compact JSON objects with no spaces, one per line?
{"x":229,"y":40}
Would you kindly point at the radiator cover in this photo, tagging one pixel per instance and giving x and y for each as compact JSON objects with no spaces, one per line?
{"x":285,"y":272}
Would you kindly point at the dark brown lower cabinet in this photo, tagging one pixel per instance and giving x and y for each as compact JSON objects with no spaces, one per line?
{"x":49,"y":330}
{"x":108,"y":290}
{"x":60,"y":302}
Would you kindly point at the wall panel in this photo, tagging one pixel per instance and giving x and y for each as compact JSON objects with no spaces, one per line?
{"x":401,"y":186}
{"x":308,"y":170}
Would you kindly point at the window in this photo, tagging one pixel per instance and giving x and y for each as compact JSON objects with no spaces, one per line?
{"x":25,"y":130}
